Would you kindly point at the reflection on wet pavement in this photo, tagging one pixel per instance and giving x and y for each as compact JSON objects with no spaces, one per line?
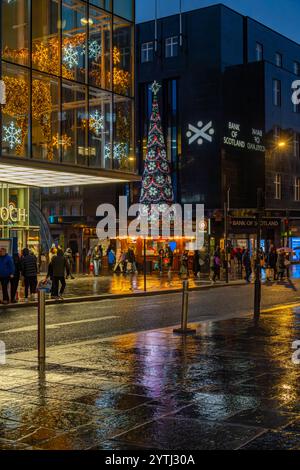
{"x":232,"y":386}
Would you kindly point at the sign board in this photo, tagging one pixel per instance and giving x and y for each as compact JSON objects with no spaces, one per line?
{"x":246,"y":224}
{"x":235,"y":138}
{"x":12,"y":214}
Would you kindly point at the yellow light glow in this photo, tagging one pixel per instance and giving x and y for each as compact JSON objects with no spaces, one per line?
{"x":281,"y":144}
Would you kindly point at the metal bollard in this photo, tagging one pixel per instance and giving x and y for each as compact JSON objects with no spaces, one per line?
{"x":41,"y":325}
{"x":184,"y":330}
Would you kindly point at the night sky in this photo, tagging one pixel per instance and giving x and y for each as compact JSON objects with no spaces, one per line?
{"x":281,"y":15}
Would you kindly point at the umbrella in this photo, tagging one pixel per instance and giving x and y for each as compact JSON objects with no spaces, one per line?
{"x":286,"y":249}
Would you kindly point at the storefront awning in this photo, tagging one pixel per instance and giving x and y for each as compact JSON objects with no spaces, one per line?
{"x":48,"y":174}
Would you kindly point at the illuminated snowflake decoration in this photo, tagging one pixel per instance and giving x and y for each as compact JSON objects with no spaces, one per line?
{"x":95,"y":50}
{"x":119,"y":151}
{"x":70,"y":56}
{"x":12,"y":135}
{"x":96,"y":122}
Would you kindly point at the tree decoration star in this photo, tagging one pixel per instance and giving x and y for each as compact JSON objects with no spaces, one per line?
{"x":155,"y":88}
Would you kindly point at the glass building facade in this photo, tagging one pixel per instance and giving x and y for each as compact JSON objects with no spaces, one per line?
{"x":68,"y":69}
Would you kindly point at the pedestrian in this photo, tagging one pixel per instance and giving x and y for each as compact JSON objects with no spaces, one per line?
{"x":57,"y":271}
{"x":216,"y":265}
{"x":96,"y":259}
{"x":14,"y":282}
{"x":272,"y":264}
{"x":70,"y":263}
{"x":131,"y":262}
{"x":196,"y":263}
{"x":7,"y":271}
{"x":119,"y":261}
{"x":160,"y":260}
{"x":281,"y":265}
{"x":247,"y":264}
{"x":168,"y":261}
{"x":184,"y":270}
{"x":111,"y":258}
{"x":29,"y":272}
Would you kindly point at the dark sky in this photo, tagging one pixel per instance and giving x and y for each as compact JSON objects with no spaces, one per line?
{"x":281,"y":15}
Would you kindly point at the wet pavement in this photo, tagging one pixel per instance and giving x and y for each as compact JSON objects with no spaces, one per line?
{"x":121,"y":284}
{"x":232,"y":386}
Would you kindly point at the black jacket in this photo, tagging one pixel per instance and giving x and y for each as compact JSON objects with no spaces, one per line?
{"x":58,"y":266}
{"x":29,"y":266}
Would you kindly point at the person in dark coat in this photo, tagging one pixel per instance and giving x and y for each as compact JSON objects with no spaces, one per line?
{"x":29,"y":271}
{"x":217,"y":265}
{"x":70,"y":263}
{"x":272,"y":262}
{"x":14,"y":282}
{"x":247,"y":264}
{"x":196,"y":263}
{"x":7,"y":271}
{"x":57,"y":270}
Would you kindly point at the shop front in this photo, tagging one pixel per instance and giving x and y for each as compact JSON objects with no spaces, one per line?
{"x":243,"y":232}
{"x":15,"y":218}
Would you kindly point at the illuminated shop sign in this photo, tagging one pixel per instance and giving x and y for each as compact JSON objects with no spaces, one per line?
{"x":249,"y":222}
{"x":235,"y":139}
{"x":12,"y":214}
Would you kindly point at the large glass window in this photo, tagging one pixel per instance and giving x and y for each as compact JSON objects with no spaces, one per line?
{"x":124,"y":8}
{"x":99,"y":48}
{"x":106,"y":4}
{"x":122,"y":153}
{"x":100,"y":128}
{"x":122,"y":57}
{"x":15,"y":31}
{"x":45,"y":117}
{"x":45,"y":37}
{"x":74,"y":130}
{"x":16,"y":111}
{"x":74,"y":39}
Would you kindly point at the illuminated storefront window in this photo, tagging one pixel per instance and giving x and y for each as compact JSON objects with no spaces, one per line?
{"x":68,"y":70}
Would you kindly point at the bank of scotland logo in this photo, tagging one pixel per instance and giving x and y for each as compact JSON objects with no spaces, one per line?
{"x":200,"y":133}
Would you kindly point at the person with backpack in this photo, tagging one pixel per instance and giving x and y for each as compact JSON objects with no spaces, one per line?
{"x":29,"y":270}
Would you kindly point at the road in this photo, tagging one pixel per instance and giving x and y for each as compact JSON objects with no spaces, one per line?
{"x":67,"y":323}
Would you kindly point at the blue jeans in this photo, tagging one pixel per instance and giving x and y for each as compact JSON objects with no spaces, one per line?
{"x":97,"y":266}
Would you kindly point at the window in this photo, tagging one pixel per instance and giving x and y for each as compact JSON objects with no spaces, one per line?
{"x":297,"y":189}
{"x":278,"y":59}
{"x":259,"y":52}
{"x":15,"y":31}
{"x":172,"y":46}
{"x":147,"y":52}
{"x":99,"y":46}
{"x":276,"y":92}
{"x":277,"y":186}
{"x":296,"y":68}
{"x":296,"y":144}
{"x":123,"y":57}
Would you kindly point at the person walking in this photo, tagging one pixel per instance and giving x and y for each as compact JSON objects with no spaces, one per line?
{"x":119,"y":261}
{"x":184,"y":270}
{"x":7,"y":271}
{"x":14,"y":282}
{"x":216,"y":265}
{"x":70,"y":263}
{"x":247,"y":264}
{"x":196,"y":263}
{"x":272,"y":264}
{"x":111,"y":257}
{"x":29,"y":271}
{"x":160,"y":261}
{"x":281,"y":265}
{"x":57,"y":270}
{"x":131,"y":263}
{"x":96,"y":259}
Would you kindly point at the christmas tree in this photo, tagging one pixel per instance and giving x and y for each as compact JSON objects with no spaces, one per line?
{"x":156,"y":180}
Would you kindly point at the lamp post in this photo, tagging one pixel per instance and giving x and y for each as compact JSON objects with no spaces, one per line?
{"x":257,"y":286}
{"x":226,"y":211}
